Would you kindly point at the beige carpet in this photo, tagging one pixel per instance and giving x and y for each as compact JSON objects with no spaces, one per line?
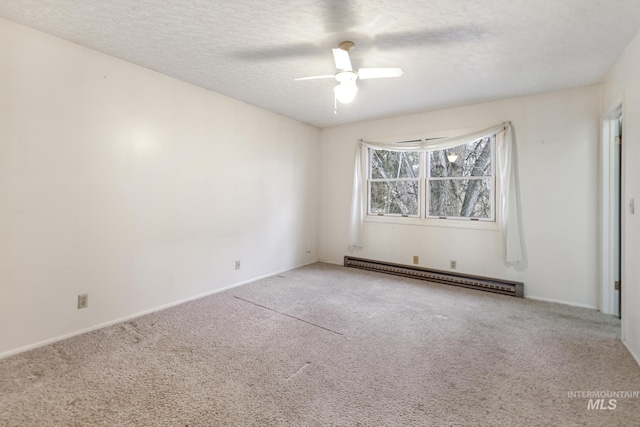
{"x":327,"y":345}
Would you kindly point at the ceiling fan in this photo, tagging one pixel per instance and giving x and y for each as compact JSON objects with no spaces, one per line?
{"x":346,"y":91}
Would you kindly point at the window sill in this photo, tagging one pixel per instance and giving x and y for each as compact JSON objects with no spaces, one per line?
{"x":432,"y":222}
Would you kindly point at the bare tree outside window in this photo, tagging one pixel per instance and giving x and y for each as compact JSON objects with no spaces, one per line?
{"x":394,"y":182}
{"x":463,"y":187}
{"x":458,"y":188}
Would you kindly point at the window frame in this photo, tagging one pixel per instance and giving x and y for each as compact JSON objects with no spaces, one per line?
{"x":423,"y":217}
{"x":492,"y":185}
{"x":418,"y":179}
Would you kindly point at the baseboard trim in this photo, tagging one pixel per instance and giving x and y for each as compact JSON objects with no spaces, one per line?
{"x":140,"y":314}
{"x":574,"y":304}
{"x":633,"y":354}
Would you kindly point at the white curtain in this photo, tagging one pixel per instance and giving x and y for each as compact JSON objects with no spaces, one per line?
{"x":506,"y":173}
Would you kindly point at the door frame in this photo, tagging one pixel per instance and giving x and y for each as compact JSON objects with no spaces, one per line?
{"x":608,"y":210}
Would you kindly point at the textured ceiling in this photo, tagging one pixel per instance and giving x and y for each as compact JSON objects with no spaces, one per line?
{"x":453,"y":52}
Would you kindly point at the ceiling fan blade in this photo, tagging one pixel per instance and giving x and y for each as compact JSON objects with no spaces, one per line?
{"x":377,"y":73}
{"x":324,"y":76}
{"x":341,"y":57}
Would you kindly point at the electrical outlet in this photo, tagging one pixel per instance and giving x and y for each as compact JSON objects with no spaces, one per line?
{"x":416,"y":259}
{"x":453,"y":264}
{"x":308,"y":248}
{"x":238,"y":265}
{"x":83,"y":301}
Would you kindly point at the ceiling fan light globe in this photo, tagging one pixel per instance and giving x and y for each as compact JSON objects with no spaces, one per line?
{"x":345,"y":93}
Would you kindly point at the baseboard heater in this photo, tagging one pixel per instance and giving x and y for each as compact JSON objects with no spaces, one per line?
{"x":505,"y":287}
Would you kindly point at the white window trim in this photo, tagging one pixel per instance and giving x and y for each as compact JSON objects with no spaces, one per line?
{"x":433,"y":222}
{"x":422,"y":219}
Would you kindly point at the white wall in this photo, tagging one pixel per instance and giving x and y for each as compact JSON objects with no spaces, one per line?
{"x":557,"y":137}
{"x":135,"y":188}
{"x":623,"y":83}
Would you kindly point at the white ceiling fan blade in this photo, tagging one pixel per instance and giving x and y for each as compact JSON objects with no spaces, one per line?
{"x":342,"y":60}
{"x":324,"y":76}
{"x":377,"y":73}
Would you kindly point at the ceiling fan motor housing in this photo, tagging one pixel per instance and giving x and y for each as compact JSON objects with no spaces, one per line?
{"x":346,"y":77}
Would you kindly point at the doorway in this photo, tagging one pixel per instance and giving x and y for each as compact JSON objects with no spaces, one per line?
{"x":611,"y":213}
{"x":617,"y":220}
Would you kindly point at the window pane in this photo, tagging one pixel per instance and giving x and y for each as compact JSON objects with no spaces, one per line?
{"x":394,"y":164}
{"x":460,"y":198}
{"x":473,"y":159}
{"x":394,"y":197}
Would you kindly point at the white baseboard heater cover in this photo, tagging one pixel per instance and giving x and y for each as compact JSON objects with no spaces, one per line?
{"x":499,"y":286}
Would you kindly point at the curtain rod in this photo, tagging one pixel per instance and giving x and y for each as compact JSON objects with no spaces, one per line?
{"x":505,"y":125}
